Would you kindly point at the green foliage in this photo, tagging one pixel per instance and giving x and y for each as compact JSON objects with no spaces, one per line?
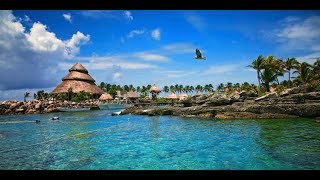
{"x":81,"y":96}
{"x":163,"y":100}
{"x":280,"y":88}
{"x":318,"y":87}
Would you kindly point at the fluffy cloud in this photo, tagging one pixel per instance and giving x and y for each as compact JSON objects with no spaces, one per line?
{"x":116,"y":76}
{"x":67,"y":17}
{"x":128,"y":15}
{"x":155,"y":34}
{"x":133,"y":33}
{"x":30,"y":59}
{"x":299,"y":34}
{"x":151,"y":57}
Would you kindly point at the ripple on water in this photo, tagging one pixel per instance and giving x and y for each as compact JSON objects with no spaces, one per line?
{"x":97,"y":140}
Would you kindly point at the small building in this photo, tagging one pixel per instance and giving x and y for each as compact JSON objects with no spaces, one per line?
{"x":78,"y":79}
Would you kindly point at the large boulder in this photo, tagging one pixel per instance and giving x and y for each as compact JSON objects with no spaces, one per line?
{"x":267,"y":96}
{"x":20,"y":110}
{"x":13,"y":106}
{"x":39,"y":106}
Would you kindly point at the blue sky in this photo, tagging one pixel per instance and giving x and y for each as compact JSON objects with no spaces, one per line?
{"x":143,"y":47}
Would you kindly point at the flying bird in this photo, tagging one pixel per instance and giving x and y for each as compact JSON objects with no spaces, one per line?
{"x":199,"y":55}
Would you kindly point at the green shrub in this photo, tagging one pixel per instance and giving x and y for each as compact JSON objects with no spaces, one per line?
{"x":318,"y":87}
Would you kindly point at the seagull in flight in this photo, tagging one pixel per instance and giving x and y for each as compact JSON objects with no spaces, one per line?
{"x":199,"y":55}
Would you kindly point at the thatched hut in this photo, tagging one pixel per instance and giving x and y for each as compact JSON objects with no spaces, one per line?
{"x":183,"y":96}
{"x":172,"y":96}
{"x":154,"y":90}
{"x":105,"y":97}
{"x":132,"y":95}
{"x":78,"y":79}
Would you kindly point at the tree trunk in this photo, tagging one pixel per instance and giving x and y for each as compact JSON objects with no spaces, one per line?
{"x":259,"y":78}
{"x":289,"y":79}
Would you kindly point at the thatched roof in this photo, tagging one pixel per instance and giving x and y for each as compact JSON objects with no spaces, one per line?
{"x":121,"y":94}
{"x":132,"y":94}
{"x":78,"y":67}
{"x":74,"y":75}
{"x":183,"y":96}
{"x":77,"y":86}
{"x":172,"y":96}
{"x":105,"y":97}
{"x":155,"y":89}
{"x":78,"y":80}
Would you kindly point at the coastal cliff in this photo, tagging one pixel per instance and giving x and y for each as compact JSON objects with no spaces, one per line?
{"x":291,"y":103}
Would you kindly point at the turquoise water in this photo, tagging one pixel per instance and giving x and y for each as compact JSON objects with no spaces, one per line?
{"x":97,"y":140}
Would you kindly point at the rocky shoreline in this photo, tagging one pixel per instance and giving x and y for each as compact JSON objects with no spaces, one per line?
{"x":38,"y":107}
{"x":291,"y":103}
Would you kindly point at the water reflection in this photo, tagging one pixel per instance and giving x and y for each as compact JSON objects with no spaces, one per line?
{"x":155,"y":131}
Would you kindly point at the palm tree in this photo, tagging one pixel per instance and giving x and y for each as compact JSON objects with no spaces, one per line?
{"x":316,"y":70}
{"x":199,"y":88}
{"x":210,"y":87}
{"x":304,"y":70}
{"x":229,"y":86}
{"x":102,"y":85}
{"x":180,"y":89}
{"x":148,"y":88}
{"x":126,"y":88}
{"x":138,"y":89}
{"x":131,"y":88}
{"x":186,"y":89}
{"x":290,"y":64}
{"x":236,"y":86}
{"x":191,"y":89}
{"x":108,"y":86}
{"x":220,"y":87}
{"x":257,"y":65}
{"x":166,"y":89}
{"x":172,"y":88}
{"x":176,"y":88}
{"x":245,"y":86}
{"x":268,"y":75}
{"x":25,"y":96}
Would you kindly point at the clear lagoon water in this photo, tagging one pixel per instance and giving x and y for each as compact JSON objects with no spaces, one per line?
{"x":96,"y":140}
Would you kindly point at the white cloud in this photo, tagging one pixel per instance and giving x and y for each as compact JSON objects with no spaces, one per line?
{"x":196,"y":21}
{"x":310,"y":58}
{"x":67,"y":17}
{"x":309,"y":28}
{"x":155,"y":34}
{"x":151,"y":57}
{"x":133,"y":33}
{"x":116,"y":76}
{"x":128,"y":15}
{"x":299,"y":34}
{"x":30,"y":59}
{"x":26,"y":18}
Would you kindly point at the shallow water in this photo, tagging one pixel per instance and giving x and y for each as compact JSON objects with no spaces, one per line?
{"x":97,"y":140}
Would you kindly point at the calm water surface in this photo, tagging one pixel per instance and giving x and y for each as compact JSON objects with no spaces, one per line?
{"x":97,"y":140}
